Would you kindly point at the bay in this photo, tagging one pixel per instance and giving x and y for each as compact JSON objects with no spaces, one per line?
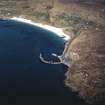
{"x":24,"y":79}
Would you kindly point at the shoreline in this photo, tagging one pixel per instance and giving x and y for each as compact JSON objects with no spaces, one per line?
{"x":58,"y":31}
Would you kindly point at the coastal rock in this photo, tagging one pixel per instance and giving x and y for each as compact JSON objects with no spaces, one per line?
{"x":87,"y":72}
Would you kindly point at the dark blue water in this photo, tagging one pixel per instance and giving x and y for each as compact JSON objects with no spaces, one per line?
{"x":24,"y":79}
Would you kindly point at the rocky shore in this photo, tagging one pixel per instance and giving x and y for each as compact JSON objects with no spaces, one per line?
{"x":84,"y":21}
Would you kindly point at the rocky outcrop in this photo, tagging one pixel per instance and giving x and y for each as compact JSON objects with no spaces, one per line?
{"x":87,"y":72}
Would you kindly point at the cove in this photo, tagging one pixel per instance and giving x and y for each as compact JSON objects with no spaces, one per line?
{"x":24,"y":79}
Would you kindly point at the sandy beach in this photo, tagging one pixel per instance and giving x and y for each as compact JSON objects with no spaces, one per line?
{"x":58,"y":31}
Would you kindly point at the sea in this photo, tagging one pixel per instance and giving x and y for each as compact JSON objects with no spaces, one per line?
{"x":24,"y":78}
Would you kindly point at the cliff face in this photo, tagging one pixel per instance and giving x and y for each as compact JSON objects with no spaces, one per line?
{"x":84,"y":21}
